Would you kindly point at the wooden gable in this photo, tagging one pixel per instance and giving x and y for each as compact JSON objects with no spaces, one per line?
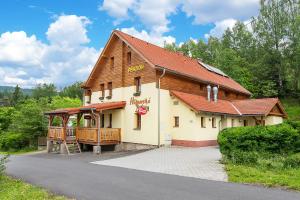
{"x":278,"y":110}
{"x":120,"y":73}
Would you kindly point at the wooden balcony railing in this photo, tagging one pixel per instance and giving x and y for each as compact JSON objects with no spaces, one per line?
{"x":90,"y":135}
{"x":56,"y":133}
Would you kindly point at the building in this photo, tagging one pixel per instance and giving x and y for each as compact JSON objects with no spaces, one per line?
{"x":144,"y":95}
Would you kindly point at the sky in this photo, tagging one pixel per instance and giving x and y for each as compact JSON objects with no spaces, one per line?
{"x":59,"y":41}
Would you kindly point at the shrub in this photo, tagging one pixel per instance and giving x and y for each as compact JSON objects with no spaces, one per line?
{"x":13,"y":141}
{"x":3,"y":160}
{"x":279,"y":139}
{"x":292,"y":161}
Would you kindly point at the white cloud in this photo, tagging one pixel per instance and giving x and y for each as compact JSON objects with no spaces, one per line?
{"x":68,"y":30}
{"x":26,"y":61}
{"x":220,"y":28}
{"x":213,"y":11}
{"x":117,"y":9}
{"x":151,"y":37}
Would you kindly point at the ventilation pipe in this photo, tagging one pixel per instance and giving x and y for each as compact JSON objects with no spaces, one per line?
{"x":208,"y":92}
{"x":215,"y":90}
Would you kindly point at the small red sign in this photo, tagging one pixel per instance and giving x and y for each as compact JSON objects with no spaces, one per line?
{"x":141,"y":110}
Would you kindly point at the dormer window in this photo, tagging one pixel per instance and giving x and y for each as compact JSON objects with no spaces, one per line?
{"x":129,"y":58}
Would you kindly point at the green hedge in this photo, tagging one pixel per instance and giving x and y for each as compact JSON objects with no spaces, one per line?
{"x":13,"y":141}
{"x":278,"y":139}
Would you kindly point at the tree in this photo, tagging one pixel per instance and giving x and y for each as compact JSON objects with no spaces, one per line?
{"x":44,"y":90}
{"x":72,"y":91}
{"x":16,"y":96}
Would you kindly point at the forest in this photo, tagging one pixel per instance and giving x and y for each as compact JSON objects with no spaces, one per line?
{"x":263,"y":54}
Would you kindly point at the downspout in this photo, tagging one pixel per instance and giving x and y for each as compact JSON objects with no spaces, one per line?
{"x":158,"y":101}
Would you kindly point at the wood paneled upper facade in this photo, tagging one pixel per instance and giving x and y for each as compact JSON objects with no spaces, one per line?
{"x":121,"y":63}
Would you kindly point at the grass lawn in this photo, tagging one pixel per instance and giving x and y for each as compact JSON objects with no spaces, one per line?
{"x":22,"y":151}
{"x":12,"y":189}
{"x":287,"y":178}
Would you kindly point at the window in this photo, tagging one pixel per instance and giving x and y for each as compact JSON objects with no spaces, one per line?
{"x":129,"y":58}
{"x":110,"y":121}
{"x":176,"y":121}
{"x":213,"y":122}
{"x":137,"y":83}
{"x":232,"y":122}
{"x":138,"y":121}
{"x":112,"y":62}
{"x":102,"y":121}
{"x":102,"y":90}
{"x":88,"y":96}
{"x":109,"y":86}
{"x":203,"y":125}
{"x":245,"y":122}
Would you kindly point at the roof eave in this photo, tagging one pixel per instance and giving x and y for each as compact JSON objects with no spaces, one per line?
{"x":199,"y":80}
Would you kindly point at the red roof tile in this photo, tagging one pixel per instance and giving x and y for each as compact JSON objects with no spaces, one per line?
{"x":200,"y":103}
{"x":255,"y":106}
{"x":179,"y":63}
{"x":97,"y":106}
{"x":236,"y":107}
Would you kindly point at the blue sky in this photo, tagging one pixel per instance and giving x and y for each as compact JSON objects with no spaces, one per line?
{"x":58,"y":41}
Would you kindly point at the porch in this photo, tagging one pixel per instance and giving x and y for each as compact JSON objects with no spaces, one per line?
{"x":70,"y":128}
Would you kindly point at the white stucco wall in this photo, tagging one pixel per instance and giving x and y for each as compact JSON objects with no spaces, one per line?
{"x":125,"y":118}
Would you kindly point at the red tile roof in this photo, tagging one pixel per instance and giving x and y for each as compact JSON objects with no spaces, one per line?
{"x":237,"y":107}
{"x":179,"y":63}
{"x":97,"y":106}
{"x":200,"y":103}
{"x":255,"y":106}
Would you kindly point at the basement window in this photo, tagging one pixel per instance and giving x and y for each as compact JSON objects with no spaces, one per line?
{"x":176,"y":121}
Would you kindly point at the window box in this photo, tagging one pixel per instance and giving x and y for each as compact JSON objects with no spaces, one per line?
{"x":101,"y":98}
{"x":137,"y":94}
{"x":88,"y":101}
{"x":108,"y":97}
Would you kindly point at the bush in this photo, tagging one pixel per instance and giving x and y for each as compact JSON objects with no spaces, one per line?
{"x":278,"y":139}
{"x":3,"y":160}
{"x":292,"y":161}
{"x":13,"y":141}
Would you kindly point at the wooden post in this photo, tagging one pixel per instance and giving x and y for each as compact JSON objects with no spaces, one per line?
{"x":79,"y":115}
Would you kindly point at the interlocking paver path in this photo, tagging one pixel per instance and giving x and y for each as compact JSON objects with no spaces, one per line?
{"x":191,"y":162}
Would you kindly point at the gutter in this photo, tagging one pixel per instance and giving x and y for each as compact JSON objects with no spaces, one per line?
{"x":158,"y":100}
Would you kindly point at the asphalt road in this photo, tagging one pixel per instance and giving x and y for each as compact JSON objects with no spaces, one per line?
{"x":76,"y":178}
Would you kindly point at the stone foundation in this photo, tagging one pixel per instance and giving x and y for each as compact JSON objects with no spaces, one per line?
{"x":125,"y":146}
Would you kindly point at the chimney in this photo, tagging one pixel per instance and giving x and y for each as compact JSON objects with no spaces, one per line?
{"x":208,"y":92}
{"x":215,"y":90}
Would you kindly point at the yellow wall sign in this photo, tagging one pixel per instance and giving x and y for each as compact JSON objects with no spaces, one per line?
{"x":135,"y":68}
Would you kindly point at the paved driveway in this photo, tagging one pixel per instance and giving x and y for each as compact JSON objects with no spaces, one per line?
{"x":76,"y":177}
{"x":192,"y":162}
